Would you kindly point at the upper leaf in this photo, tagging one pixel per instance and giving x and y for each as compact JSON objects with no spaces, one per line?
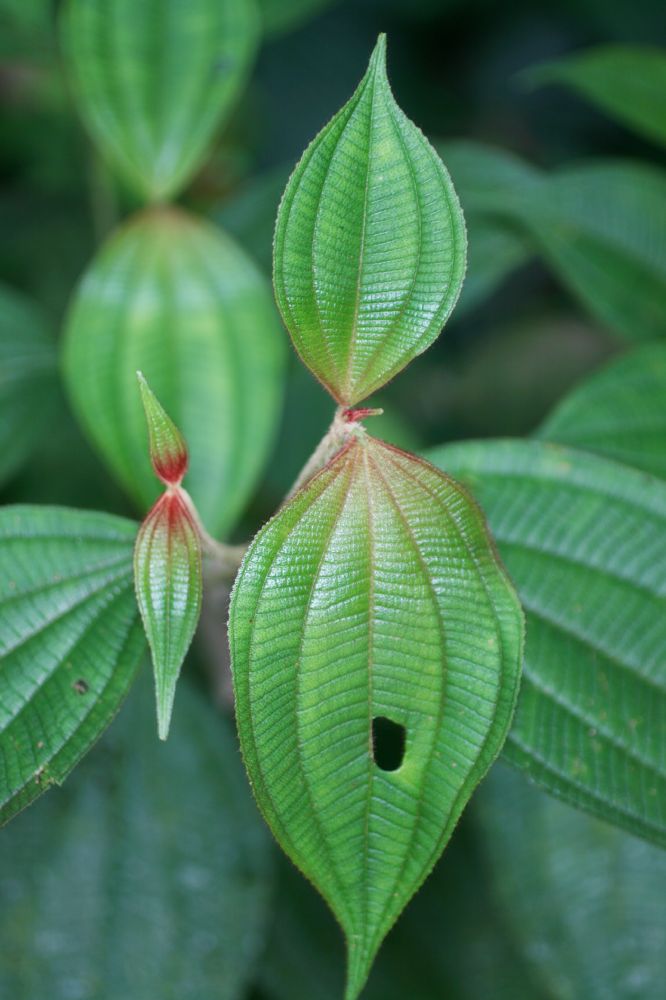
{"x":154,"y":80}
{"x":369,"y":244}
{"x":168,"y":581}
{"x":619,"y":411}
{"x":627,"y":81}
{"x":376,"y":648}
{"x":70,"y":644}
{"x":147,"y":876}
{"x":28,"y":383}
{"x":585,"y":541}
{"x":177,"y":299}
{"x":584,"y":901}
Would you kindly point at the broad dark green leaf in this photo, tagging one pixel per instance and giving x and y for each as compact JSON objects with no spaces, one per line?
{"x":178,"y":300}
{"x":602,"y":228}
{"x":369,"y":244}
{"x":153,"y":79}
{"x":626,"y":81}
{"x":584,"y":539}
{"x":373,"y":600}
{"x":146,"y":877}
{"x":488,"y":179}
{"x":28,"y":384}
{"x":619,"y":412}
{"x":70,"y":644}
{"x":586,"y":901}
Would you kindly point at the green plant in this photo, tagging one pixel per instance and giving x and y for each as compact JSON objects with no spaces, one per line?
{"x":376,"y":639}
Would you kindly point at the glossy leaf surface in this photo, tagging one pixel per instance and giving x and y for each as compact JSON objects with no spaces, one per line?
{"x":153,"y":79}
{"x":169,"y":586}
{"x":628,"y":82}
{"x":374,"y":594}
{"x":584,"y":901}
{"x":619,"y":412}
{"x":178,"y":300}
{"x":147,"y":876}
{"x":584,"y":540}
{"x":28,"y":383}
{"x":369,"y":244}
{"x":71,"y":641}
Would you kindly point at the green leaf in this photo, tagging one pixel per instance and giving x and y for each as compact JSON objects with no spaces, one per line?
{"x":626,"y":81}
{"x":70,"y":645}
{"x":168,"y":451}
{"x":154,"y":79}
{"x":585,"y":900}
{"x":376,"y":647}
{"x":147,"y":876}
{"x":168,"y":582}
{"x":28,"y":384}
{"x":369,"y":244}
{"x":494,"y":252}
{"x":619,"y":412}
{"x":177,"y":299}
{"x":486,"y":177}
{"x":279,"y":16}
{"x":584,"y":539}
{"x":603,"y":231}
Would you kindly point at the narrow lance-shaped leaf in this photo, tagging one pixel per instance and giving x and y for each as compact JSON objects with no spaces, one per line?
{"x":369,"y":244}
{"x":70,"y":645}
{"x":376,"y":648}
{"x":585,"y":542}
{"x":154,"y":80}
{"x":167,"y":561}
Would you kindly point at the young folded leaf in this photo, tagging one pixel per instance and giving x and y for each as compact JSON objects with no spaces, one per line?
{"x":369,"y":244}
{"x":167,"y":560}
{"x":376,"y":646}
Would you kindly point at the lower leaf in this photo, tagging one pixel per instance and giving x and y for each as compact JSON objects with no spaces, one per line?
{"x":376,"y":646}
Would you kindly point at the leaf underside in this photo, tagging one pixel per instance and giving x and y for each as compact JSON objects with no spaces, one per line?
{"x":375,"y":593}
{"x":369,"y":244}
{"x":71,"y":641}
{"x":584,"y":539}
{"x":178,"y":300}
{"x":154,"y":79}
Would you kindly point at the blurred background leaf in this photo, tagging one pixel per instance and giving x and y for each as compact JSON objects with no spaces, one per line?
{"x":619,"y":412}
{"x":148,"y":875}
{"x":585,"y":901}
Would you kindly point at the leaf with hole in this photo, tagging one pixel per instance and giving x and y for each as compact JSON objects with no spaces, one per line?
{"x":28,"y":381}
{"x":179,"y":300}
{"x":153,"y":81}
{"x":584,"y":539}
{"x":148,"y":875}
{"x":375,"y":593}
{"x":369,"y":244}
{"x":70,"y":645}
{"x":584,"y":901}
{"x":628,"y":82}
{"x":619,"y":412}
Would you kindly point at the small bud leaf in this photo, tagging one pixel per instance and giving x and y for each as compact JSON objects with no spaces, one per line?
{"x":168,"y":451}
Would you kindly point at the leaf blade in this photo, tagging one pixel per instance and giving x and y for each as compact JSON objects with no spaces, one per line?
{"x":584,"y":540}
{"x":72,"y":641}
{"x":318,"y":634}
{"x":153,"y":83}
{"x":369,"y":216}
{"x":177,"y":299}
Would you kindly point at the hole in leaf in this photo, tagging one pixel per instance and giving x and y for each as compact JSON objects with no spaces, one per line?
{"x":388,"y":743}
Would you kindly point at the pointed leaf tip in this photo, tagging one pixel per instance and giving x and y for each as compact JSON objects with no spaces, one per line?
{"x":168,"y":582}
{"x":168,"y":451}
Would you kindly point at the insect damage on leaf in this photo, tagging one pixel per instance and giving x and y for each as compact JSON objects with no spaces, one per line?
{"x":376,"y":647}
